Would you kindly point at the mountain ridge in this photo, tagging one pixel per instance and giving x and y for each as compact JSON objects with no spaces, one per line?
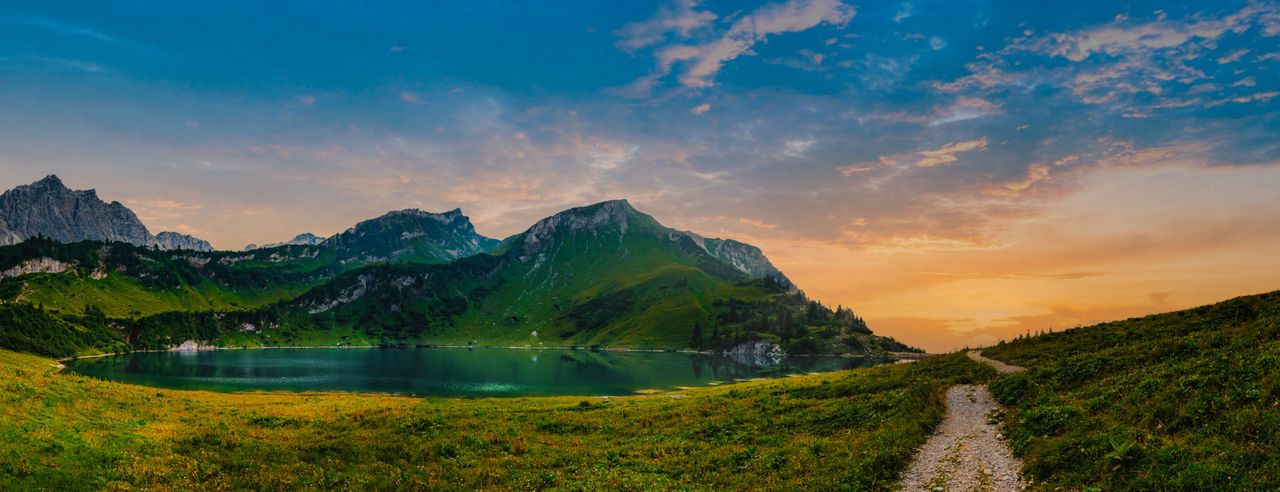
{"x":604,"y":274}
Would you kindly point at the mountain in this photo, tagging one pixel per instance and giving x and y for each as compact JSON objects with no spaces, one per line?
{"x":48,"y":208}
{"x":304,"y":239}
{"x":410,"y":236}
{"x":605,"y":275}
{"x":176,"y":241}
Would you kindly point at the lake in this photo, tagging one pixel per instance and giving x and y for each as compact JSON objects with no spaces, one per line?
{"x":475,"y":372}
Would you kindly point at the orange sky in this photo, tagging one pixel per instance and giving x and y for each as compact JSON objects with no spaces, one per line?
{"x":1130,"y":242}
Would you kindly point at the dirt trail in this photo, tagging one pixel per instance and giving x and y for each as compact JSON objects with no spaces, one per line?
{"x":1001,"y":367}
{"x":967,"y":452}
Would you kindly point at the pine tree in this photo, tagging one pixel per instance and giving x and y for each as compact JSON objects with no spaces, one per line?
{"x":697,"y":335}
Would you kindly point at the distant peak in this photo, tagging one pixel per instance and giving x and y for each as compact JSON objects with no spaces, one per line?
{"x":51,"y":179}
{"x":50,"y":182}
{"x":607,"y":206}
{"x":413,"y":212}
{"x":618,"y":203}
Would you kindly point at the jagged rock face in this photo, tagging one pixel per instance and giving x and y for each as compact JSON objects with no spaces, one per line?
{"x":175,"y":241}
{"x":47,"y":208}
{"x":744,"y":257}
{"x":411,"y":235}
{"x":304,"y":239}
{"x":38,"y":265}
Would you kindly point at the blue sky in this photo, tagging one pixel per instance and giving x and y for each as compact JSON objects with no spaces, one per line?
{"x":925,"y":129}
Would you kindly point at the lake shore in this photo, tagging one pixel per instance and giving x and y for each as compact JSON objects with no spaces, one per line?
{"x":897,"y":356}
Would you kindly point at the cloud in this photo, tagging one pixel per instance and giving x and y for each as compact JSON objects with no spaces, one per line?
{"x":68,"y":29}
{"x":757,"y":223}
{"x":958,"y":109}
{"x":411,"y":97}
{"x":947,"y":153}
{"x":188,"y":230}
{"x":852,"y":170}
{"x":1232,"y":57}
{"x":797,"y":147}
{"x":904,"y":11}
{"x":1137,"y":67}
{"x":307,"y":100}
{"x":1122,"y":37}
{"x":160,"y":210}
{"x":701,"y":62}
{"x":701,"y":108}
{"x":397,"y":49}
{"x":1035,"y":173}
{"x":680,"y":18}
{"x":937,"y":43}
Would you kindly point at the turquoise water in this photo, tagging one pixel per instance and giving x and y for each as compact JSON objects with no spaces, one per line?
{"x":442,"y":371}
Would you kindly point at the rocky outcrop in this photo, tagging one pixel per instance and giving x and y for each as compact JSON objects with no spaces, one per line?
{"x":757,"y":354}
{"x":48,"y":208}
{"x":192,"y":346}
{"x":175,"y":241}
{"x":38,"y":265}
{"x":743,"y":257}
{"x":345,"y":297}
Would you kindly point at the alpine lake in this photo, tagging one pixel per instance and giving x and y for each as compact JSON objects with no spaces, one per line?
{"x":449,"y":372}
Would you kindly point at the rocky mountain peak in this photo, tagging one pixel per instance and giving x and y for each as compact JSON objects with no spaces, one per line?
{"x":50,"y":181}
{"x":617,"y":213}
{"x":178,"y":241}
{"x":412,"y":233}
{"x":48,"y":208}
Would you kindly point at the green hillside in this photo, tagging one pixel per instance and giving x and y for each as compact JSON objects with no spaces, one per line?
{"x":600,"y":276}
{"x":605,"y":275}
{"x":127,"y":281}
{"x":1188,"y":400}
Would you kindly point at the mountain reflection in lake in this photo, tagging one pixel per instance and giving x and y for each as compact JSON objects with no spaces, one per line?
{"x":443,"y":371}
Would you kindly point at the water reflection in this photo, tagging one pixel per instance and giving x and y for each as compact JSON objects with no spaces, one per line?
{"x":445,"y":372}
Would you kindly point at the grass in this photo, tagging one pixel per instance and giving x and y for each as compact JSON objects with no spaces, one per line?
{"x":120,"y":296}
{"x":1180,"y":401}
{"x":853,"y":430}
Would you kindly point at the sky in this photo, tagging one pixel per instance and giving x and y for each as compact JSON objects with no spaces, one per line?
{"x":957,"y":172}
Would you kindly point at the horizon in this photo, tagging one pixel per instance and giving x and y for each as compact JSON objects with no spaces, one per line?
{"x":957,"y":173}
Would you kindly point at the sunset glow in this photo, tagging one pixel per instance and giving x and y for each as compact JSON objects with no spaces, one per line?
{"x":955,"y":172}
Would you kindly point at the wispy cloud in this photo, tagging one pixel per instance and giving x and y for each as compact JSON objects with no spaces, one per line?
{"x":797,"y":147}
{"x":701,"y":62}
{"x":411,"y":97}
{"x":940,"y":156}
{"x":759,"y":224}
{"x":68,"y":29}
{"x":680,"y":18}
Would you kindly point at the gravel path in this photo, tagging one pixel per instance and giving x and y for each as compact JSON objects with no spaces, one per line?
{"x":967,"y":451}
{"x":1001,"y":367}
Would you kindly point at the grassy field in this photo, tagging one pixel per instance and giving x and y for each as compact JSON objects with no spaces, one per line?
{"x":1180,"y":401}
{"x":853,"y":430}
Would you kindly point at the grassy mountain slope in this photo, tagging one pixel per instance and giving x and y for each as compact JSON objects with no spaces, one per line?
{"x":605,"y":275}
{"x":602,"y":275}
{"x":850,"y":430}
{"x":129,"y":281}
{"x":1188,"y":400}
